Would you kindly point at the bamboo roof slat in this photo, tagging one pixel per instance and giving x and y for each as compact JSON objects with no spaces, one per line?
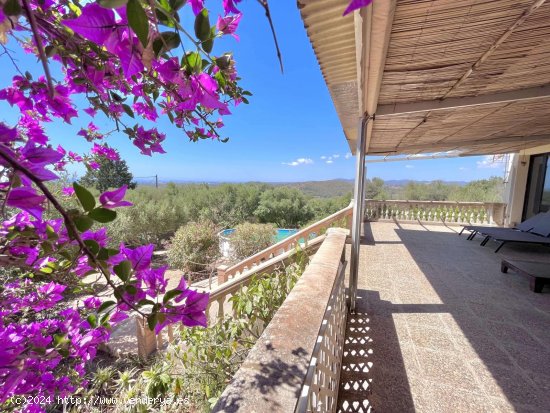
{"x":438,"y":49}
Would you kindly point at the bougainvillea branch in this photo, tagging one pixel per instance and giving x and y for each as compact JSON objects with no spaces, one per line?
{"x":123,"y":61}
{"x":39,"y":45}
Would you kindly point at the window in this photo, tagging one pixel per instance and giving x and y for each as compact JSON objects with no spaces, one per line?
{"x":537,"y":196}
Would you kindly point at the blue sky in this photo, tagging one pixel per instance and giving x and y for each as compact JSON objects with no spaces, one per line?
{"x":289,"y":132}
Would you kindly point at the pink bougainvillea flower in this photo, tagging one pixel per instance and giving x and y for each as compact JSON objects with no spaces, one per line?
{"x":155,"y":281}
{"x":140,"y":257}
{"x":229,"y":6}
{"x":92,"y":303}
{"x":26,"y":199}
{"x":99,"y":236}
{"x":7,"y":135}
{"x":93,"y":165}
{"x":40,"y":155}
{"x":99,"y":25}
{"x":68,"y":191}
{"x":197,"y":5}
{"x":229,"y":24}
{"x":118,"y":316}
{"x":114,"y":199}
{"x":106,"y":152}
{"x":191,"y":313}
{"x":356,"y":4}
{"x":96,"y":23}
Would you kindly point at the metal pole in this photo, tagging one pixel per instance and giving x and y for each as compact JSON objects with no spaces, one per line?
{"x":357,"y":218}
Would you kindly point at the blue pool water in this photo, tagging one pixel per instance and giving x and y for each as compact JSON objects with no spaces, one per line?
{"x":282,"y":233}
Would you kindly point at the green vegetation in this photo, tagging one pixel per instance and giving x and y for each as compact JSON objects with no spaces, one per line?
{"x":161,"y":211}
{"x":248,"y":239}
{"x":110,"y":174}
{"x":195,"y":370}
{"x":285,"y":207}
{"x":194,"y":246}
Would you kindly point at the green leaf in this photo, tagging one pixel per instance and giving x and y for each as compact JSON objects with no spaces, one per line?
{"x":128,"y":110}
{"x":60,"y":339}
{"x":83,"y":222}
{"x":138,"y":21}
{"x":112,"y":4}
{"x":92,"y":244}
{"x":208,"y":44}
{"x":85,"y":197}
{"x":12,"y":8}
{"x":92,"y":320}
{"x":152,"y":321}
{"x":105,"y":305}
{"x":123,"y":270}
{"x":171,"y":294}
{"x":192,"y":62}
{"x":165,"y":42}
{"x":165,"y":5}
{"x":50,"y":50}
{"x":102,"y":215}
{"x":130,"y":289}
{"x":202,"y":25}
{"x":177,"y":4}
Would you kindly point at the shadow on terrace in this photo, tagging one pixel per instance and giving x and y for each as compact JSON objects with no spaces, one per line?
{"x":439,"y":328}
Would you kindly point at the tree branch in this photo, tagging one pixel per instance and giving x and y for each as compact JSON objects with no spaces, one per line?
{"x":71,"y":227}
{"x":39,"y":46}
{"x":265,"y":5}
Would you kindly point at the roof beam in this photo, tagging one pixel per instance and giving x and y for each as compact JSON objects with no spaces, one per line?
{"x":520,"y":95}
{"x":464,"y":144}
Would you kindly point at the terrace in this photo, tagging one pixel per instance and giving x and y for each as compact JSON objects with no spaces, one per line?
{"x":429,"y":323}
{"x":444,"y":329}
{"x":437,"y":327}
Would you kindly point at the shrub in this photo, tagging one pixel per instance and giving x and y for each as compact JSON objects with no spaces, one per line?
{"x":210,"y":357}
{"x":146,"y":223}
{"x":194,"y":246}
{"x":286,"y":207}
{"x":248,"y":239}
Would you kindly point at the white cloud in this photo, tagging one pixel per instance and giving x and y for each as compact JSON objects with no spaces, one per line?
{"x":323,"y":157}
{"x":336,"y":156}
{"x":489,"y":161}
{"x":409,"y":166}
{"x":299,"y":161}
{"x":347,"y":155}
{"x":462,"y":168}
{"x":330,"y":161}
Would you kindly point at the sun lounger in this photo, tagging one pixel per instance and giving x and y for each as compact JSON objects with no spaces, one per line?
{"x":540,"y":234}
{"x":525,"y":226}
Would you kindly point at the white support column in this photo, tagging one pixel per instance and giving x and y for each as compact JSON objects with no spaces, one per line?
{"x":357,"y":219}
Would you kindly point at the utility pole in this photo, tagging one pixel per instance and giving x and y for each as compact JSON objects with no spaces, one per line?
{"x":157,"y":181}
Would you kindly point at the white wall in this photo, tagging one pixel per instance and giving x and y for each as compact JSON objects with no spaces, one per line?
{"x":517,"y":183}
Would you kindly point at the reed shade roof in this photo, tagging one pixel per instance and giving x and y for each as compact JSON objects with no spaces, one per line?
{"x":438,"y":50}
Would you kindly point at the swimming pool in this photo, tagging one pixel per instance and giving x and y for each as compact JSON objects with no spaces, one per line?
{"x":225,"y":238}
{"x":282,"y":233}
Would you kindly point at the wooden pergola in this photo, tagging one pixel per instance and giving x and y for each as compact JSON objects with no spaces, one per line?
{"x":425,"y":76}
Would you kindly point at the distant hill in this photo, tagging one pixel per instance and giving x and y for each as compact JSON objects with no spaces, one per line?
{"x":403,"y":182}
{"x":322,"y":189}
{"x":316,"y":189}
